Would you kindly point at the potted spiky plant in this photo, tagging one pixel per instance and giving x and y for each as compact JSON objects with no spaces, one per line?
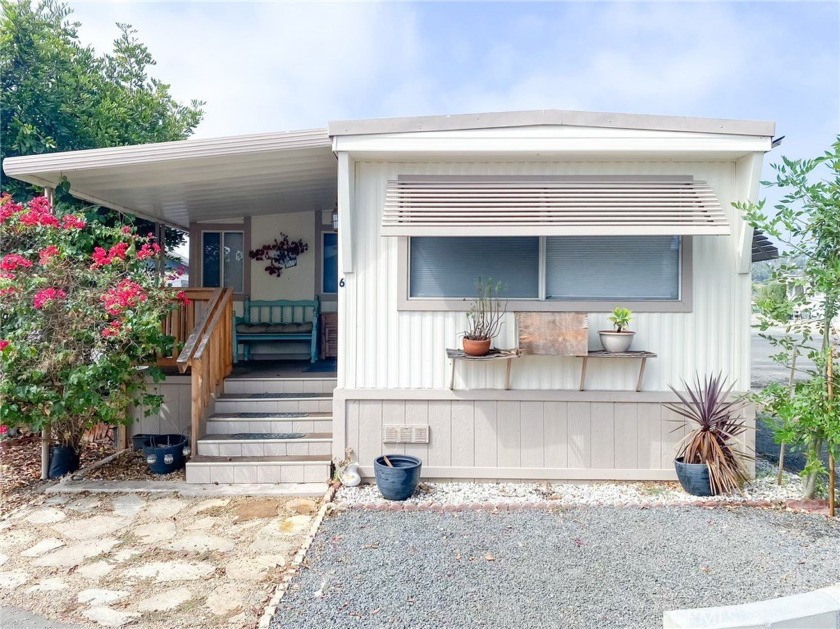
{"x":484,"y":319}
{"x":620,"y":339}
{"x":708,"y":460}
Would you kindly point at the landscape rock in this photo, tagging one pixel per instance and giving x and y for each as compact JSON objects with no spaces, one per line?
{"x":226,"y":599}
{"x":127,"y":505}
{"x":95,"y":570}
{"x":46,"y":515}
{"x":165,"y":571}
{"x":166,"y":600}
{"x":76,"y":554}
{"x":100,"y":597}
{"x":13,"y":579}
{"x":303,"y":506}
{"x":108,"y":617}
{"x":199,"y":543}
{"x":43,"y":547}
{"x":155,"y":532}
{"x":91,"y":528}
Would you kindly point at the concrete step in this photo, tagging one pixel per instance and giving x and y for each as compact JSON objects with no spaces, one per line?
{"x":230,"y":423}
{"x":274,"y":403}
{"x":252,"y":470}
{"x":280,"y":385}
{"x":264,"y":444}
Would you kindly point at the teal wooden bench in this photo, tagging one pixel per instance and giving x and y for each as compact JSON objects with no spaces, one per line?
{"x":276,"y":321}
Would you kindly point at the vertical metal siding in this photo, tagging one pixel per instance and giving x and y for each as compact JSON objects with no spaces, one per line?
{"x":384,"y":348}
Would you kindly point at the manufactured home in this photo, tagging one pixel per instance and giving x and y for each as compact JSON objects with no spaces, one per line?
{"x":575,"y":213}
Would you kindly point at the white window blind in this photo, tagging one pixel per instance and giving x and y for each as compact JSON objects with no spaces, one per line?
{"x":613,"y":268}
{"x":449,"y":267}
{"x":223,"y":259}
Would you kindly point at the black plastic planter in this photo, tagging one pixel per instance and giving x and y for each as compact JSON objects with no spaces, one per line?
{"x":694,"y":477}
{"x":400,"y":481}
{"x":63,"y":460}
{"x":165,"y":453}
{"x":138,"y":442}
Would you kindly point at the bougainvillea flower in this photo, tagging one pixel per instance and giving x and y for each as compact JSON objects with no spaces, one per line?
{"x":112,"y":330}
{"x":44,"y":297}
{"x":127,"y":294}
{"x":46,"y":254}
{"x":8,"y":207}
{"x":12,"y":261}
{"x":182,"y":297}
{"x":73,"y":221}
{"x":3,"y":345}
{"x":148,"y":251}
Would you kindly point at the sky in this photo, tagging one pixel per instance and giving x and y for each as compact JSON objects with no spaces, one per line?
{"x":275,"y":66}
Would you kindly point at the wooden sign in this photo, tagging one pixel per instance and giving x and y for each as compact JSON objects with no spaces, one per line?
{"x":553,"y":333}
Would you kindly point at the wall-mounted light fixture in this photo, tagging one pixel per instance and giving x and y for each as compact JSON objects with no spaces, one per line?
{"x":335,"y":219}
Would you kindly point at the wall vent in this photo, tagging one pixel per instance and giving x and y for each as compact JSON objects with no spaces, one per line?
{"x":400,"y":433}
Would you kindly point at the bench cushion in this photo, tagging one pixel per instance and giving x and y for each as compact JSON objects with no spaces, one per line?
{"x":251,"y":328}
{"x":274,"y":328}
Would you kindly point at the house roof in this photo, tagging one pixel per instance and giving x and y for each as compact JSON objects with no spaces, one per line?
{"x":558,"y":117}
{"x":201,"y":180}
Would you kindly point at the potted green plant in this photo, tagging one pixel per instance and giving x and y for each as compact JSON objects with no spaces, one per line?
{"x":484,"y":319}
{"x":708,"y":461}
{"x":620,"y":339}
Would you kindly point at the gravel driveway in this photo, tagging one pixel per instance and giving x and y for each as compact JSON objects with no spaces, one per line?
{"x":586,"y":567}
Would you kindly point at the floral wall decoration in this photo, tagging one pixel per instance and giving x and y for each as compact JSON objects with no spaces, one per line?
{"x":280,"y":254}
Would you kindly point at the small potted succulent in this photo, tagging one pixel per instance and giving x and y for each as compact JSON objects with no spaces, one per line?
{"x":484,"y":319}
{"x":620,"y":339}
{"x":708,"y":461}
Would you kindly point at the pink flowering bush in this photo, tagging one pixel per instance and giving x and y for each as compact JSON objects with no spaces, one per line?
{"x":80,"y":319}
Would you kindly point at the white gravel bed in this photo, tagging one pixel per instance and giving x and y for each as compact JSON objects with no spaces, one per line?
{"x":763,"y":488}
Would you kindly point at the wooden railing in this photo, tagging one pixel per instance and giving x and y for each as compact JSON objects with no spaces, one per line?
{"x":208,"y":354}
{"x":180,"y":322}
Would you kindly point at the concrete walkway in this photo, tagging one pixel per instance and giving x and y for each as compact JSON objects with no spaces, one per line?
{"x":16,"y":618}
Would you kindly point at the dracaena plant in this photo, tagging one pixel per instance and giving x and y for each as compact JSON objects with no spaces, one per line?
{"x":717,"y":422}
{"x":80,"y":311}
{"x":620,"y":318}
{"x":484,"y":319}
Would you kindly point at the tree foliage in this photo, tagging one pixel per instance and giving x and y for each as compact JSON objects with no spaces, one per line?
{"x":807,"y":221}
{"x":75,"y":327}
{"x":60,"y":95}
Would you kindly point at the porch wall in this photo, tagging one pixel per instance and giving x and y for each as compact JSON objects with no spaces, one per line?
{"x":174,"y":414}
{"x":522,"y":435}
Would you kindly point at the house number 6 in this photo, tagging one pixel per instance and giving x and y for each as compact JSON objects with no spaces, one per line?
{"x":341,"y":282}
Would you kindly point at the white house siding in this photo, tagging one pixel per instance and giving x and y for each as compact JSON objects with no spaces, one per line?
{"x":384,"y":348}
{"x":393,"y":367}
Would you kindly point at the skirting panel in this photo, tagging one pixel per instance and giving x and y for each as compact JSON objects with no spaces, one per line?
{"x":519,"y":439}
{"x":174,"y":416}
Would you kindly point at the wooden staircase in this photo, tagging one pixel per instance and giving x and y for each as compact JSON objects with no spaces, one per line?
{"x":266,"y":430}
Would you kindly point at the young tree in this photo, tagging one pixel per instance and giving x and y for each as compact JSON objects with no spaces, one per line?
{"x":59,"y":95}
{"x":807,"y":221}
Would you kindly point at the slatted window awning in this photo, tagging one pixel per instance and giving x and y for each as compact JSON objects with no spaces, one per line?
{"x":551,"y":206}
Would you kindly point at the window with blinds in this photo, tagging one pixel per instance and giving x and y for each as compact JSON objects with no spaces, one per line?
{"x":449,"y":267}
{"x":590,"y":268}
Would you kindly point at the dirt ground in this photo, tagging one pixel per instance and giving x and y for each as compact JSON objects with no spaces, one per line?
{"x":159,"y":562}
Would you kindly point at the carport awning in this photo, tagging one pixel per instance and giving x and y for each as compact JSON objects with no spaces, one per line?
{"x":552,"y":206}
{"x":179,"y":183}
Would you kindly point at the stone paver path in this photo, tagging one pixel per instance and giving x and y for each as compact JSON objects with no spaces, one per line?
{"x":111,"y":560}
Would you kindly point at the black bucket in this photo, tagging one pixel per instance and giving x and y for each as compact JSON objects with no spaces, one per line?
{"x":160,"y":448}
{"x":694,"y":477}
{"x":138,"y":442}
{"x":63,"y":460}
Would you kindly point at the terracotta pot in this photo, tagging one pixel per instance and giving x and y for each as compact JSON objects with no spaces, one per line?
{"x":616,"y":342}
{"x":476,"y":348}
